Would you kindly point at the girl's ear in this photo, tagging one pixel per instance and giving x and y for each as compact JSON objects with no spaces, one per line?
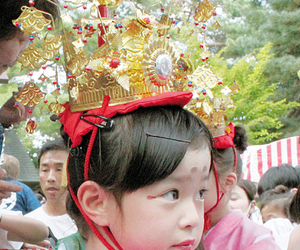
{"x":227,"y":182}
{"x":94,"y":201}
{"x":252,"y":207}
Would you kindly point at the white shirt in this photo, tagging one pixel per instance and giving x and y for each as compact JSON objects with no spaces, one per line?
{"x":61,"y":226}
{"x":281,"y":229}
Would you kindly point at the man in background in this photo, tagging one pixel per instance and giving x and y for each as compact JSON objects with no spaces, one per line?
{"x":54,"y":213}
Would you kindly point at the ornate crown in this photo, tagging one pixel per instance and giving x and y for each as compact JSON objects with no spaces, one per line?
{"x":135,"y":57}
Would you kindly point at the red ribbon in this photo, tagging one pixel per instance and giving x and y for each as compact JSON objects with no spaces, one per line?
{"x":76,"y":128}
{"x":225,"y":141}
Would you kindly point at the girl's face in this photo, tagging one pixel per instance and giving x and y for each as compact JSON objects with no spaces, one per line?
{"x":210,"y":196}
{"x":167,"y":214}
{"x":239,"y":199}
{"x":272,"y":211}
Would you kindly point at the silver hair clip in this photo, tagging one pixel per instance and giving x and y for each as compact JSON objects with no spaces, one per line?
{"x":168,"y":138}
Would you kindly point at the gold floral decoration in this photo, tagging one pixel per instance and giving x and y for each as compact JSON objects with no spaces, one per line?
{"x":204,"y":11}
{"x":32,"y":58}
{"x":30,"y":95}
{"x":56,"y":108}
{"x":31,"y":20}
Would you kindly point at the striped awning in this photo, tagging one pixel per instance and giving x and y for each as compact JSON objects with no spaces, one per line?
{"x":259,"y":158}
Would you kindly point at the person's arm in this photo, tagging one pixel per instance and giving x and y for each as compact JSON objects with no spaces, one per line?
{"x":6,"y":188}
{"x":23,"y":229}
{"x":294,"y":242}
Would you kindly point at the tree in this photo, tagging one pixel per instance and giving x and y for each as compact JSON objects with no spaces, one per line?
{"x":252,"y":24}
{"x":254,"y":106}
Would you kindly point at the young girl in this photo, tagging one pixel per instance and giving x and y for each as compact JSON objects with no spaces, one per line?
{"x":242,"y":197}
{"x":275,"y":203}
{"x":137,"y":173}
{"x":231,"y":228}
{"x":274,"y":207}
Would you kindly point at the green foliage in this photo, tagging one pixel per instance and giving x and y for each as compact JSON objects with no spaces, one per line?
{"x":260,"y":22}
{"x":254,"y":107}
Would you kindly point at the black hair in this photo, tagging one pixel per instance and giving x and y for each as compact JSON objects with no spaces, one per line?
{"x":294,"y":208}
{"x":280,"y":196}
{"x":249,"y":188}
{"x":224,"y":158}
{"x":297,"y":170}
{"x":11,"y":10}
{"x":127,"y":158}
{"x":57,"y":144}
{"x":240,"y":138}
{"x":280,"y":175}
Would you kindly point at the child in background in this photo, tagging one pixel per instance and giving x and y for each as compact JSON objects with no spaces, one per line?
{"x":231,"y":229}
{"x":284,"y":174}
{"x":274,"y":206}
{"x":275,"y":203}
{"x":139,"y":183}
{"x":242,"y":197}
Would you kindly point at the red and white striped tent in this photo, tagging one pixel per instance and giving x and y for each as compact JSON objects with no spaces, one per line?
{"x":258,"y":159}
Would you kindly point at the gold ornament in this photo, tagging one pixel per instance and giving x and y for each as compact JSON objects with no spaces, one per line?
{"x":32,"y":58}
{"x":235,"y":87}
{"x":30,"y":95}
{"x":43,"y":78}
{"x":51,"y":47}
{"x":159,"y":65}
{"x":216,"y":25}
{"x":205,"y":54}
{"x":110,"y":3}
{"x":56,"y":108}
{"x":204,"y":11}
{"x":31,"y":20}
{"x":31,"y":126}
{"x":146,"y":20}
{"x":204,"y":77}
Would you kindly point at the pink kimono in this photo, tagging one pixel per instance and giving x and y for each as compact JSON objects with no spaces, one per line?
{"x":236,"y":232}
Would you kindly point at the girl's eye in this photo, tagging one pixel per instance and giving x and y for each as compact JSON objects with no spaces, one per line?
{"x":200,"y":194}
{"x":171,"y":195}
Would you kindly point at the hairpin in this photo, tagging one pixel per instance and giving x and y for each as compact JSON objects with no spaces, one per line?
{"x":168,"y":138}
{"x":105,"y":124}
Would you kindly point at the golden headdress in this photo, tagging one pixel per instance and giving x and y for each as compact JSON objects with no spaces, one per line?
{"x":135,"y":57}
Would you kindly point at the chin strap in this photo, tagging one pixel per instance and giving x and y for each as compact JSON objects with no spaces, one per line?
{"x":91,"y":224}
{"x":206,"y":216}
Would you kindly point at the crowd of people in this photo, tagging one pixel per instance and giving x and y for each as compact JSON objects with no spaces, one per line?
{"x":154,"y":178}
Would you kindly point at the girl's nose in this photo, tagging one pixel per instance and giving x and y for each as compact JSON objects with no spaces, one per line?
{"x":192,"y":214}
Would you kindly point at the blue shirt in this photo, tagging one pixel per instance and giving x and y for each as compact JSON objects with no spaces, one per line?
{"x":24,"y":201}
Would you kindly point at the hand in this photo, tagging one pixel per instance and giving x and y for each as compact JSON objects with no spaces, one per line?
{"x":41,"y":245}
{"x":6,"y":188}
{"x":9,"y":114}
